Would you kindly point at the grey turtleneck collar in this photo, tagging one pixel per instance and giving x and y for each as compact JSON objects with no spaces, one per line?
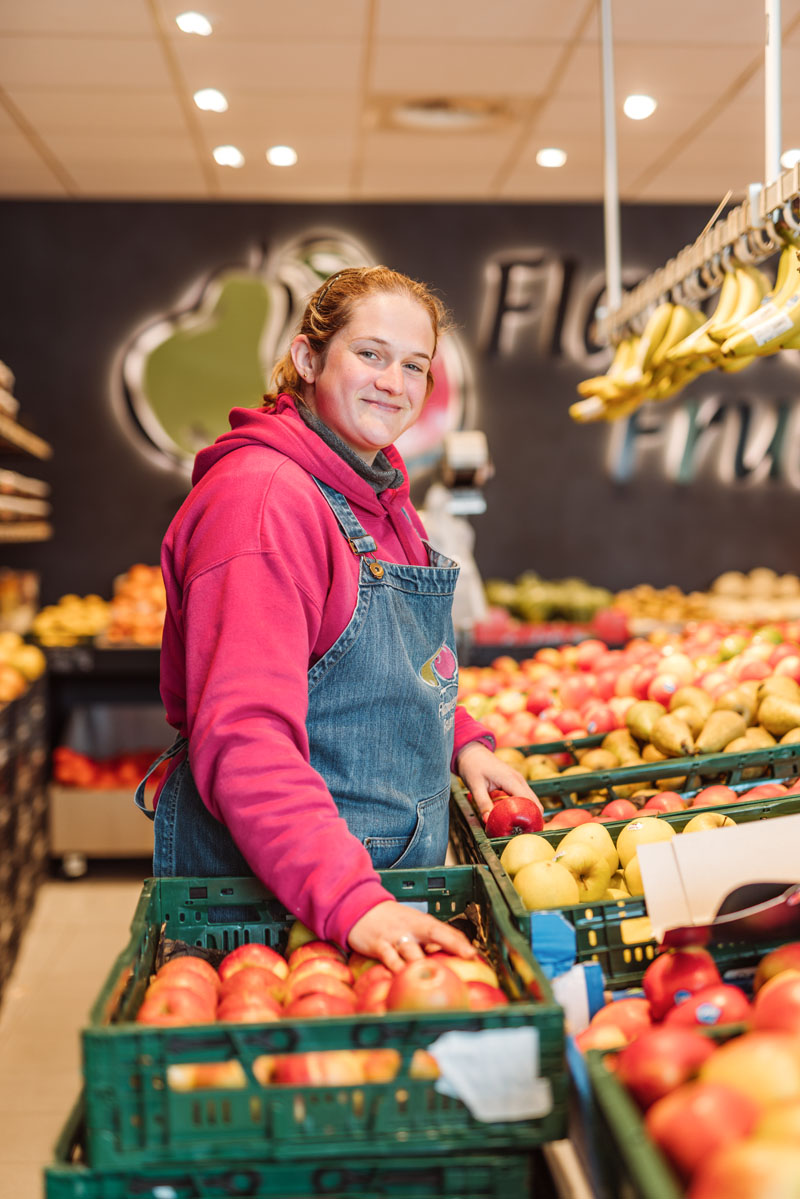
{"x":380,"y":476}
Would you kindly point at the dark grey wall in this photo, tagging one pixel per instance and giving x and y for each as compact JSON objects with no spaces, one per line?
{"x":79,"y":278}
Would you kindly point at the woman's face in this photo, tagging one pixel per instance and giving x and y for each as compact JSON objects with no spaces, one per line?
{"x":370,"y":385}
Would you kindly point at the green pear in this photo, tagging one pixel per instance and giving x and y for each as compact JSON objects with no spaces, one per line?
{"x":692,"y":697}
{"x":778,"y":715}
{"x":641,"y":716}
{"x":673,"y":736}
{"x":719,"y":730}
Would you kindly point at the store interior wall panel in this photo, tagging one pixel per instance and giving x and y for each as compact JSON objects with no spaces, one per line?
{"x":82,"y":278}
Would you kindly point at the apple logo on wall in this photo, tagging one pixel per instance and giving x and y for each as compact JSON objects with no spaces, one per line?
{"x":182,"y":372}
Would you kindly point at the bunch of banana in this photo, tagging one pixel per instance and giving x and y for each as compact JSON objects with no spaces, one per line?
{"x":775,"y":324}
{"x":640,"y":370}
{"x":742,"y":290}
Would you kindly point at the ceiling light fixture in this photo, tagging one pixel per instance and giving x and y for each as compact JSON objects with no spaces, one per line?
{"x":210,"y":100}
{"x":193,"y":22}
{"x":551,"y":156}
{"x":228,"y":156}
{"x":445,"y":115}
{"x":790,"y":158}
{"x":281,"y":156}
{"x":638,"y":107}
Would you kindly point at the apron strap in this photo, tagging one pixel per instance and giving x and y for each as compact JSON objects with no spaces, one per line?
{"x":178,"y":745}
{"x":358,"y":539}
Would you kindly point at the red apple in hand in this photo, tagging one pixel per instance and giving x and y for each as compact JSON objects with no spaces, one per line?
{"x":674,"y":975}
{"x":514,"y":814}
{"x":660,"y":1059}
{"x":423,"y":986}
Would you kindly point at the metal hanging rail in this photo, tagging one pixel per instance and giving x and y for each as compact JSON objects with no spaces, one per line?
{"x":751,"y":232}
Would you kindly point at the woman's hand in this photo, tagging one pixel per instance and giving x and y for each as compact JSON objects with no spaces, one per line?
{"x":395,"y":934}
{"x":482,"y":771}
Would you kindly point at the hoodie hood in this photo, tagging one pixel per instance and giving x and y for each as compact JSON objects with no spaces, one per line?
{"x":282,"y":429}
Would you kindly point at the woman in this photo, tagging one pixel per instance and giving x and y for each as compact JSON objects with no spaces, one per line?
{"x":308,"y":653}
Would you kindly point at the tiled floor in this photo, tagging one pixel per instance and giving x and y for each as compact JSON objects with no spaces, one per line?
{"x":76,"y":931}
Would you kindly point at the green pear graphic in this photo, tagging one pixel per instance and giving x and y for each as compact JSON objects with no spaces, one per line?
{"x":202,"y":364}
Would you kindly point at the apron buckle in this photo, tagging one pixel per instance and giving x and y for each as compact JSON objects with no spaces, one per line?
{"x":376,"y":569}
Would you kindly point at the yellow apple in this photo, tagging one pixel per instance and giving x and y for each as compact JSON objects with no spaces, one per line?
{"x":633,"y":877}
{"x":546,"y":885}
{"x":524,"y":849}
{"x":596,"y":835}
{"x":641,"y":831}
{"x":615,"y":893}
{"x":590,"y":868}
{"x":704,"y":821}
{"x":780,"y":1121}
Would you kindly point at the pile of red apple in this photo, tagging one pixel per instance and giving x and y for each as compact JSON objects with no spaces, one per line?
{"x":725,"y":1113}
{"x":254,"y":983}
{"x":580,"y":690}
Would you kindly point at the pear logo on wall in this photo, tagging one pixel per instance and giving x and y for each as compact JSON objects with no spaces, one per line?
{"x":183,"y":371}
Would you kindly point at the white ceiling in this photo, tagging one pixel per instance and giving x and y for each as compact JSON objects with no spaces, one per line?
{"x":96,"y":98}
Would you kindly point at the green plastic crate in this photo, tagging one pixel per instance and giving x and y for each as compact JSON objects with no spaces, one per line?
{"x":616,"y":934}
{"x":133,"y":1117}
{"x":740,"y":771}
{"x":479,"y":1175}
{"x":629,"y":1164}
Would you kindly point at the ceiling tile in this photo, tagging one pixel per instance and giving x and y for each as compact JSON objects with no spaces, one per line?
{"x":269,"y":20}
{"x":85,"y":109}
{"x":76,"y":16}
{"x":163,"y":178}
{"x":24,"y":171}
{"x":484,"y":69}
{"x":267,"y":65}
{"x":454,"y":21}
{"x":82,"y":62}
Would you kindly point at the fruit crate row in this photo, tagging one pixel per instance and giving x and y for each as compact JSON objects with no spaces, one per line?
{"x":616,"y":933}
{"x":405,"y":1175}
{"x":134,"y":1117}
{"x":687,"y":775}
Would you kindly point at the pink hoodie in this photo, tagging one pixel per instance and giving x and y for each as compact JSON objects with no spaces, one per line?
{"x":260,"y":583}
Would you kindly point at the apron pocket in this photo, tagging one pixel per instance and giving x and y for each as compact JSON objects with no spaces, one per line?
{"x":428,"y":843}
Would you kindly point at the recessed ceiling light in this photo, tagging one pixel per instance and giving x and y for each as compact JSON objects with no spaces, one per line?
{"x":193,"y":22}
{"x":638,"y":108}
{"x":228,"y":156}
{"x":210,"y":100}
{"x":551,"y":157}
{"x":445,"y":114}
{"x":790,"y":158}
{"x":281,"y":156}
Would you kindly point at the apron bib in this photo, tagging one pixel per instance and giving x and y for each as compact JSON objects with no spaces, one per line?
{"x":380,"y":722}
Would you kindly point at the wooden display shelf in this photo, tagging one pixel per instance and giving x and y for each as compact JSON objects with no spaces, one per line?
{"x":26,"y":530}
{"x":97,"y":823}
{"x":22,"y":439}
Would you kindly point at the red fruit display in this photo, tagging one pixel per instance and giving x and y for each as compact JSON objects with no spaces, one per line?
{"x":719,"y":1003}
{"x":749,"y":1169}
{"x":483,"y":996}
{"x":676,"y":974}
{"x":514,"y":814}
{"x":665,"y":801}
{"x":696,"y":1119}
{"x":619,"y":809}
{"x":321,"y":1004}
{"x":314,"y":949}
{"x":569,"y":817}
{"x":659,"y":1060}
{"x":169,"y":1005}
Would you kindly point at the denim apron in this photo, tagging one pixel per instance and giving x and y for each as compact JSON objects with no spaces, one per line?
{"x":381,"y":711}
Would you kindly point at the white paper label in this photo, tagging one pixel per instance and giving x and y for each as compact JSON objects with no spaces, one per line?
{"x":766,"y":330}
{"x":495,"y":1073}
